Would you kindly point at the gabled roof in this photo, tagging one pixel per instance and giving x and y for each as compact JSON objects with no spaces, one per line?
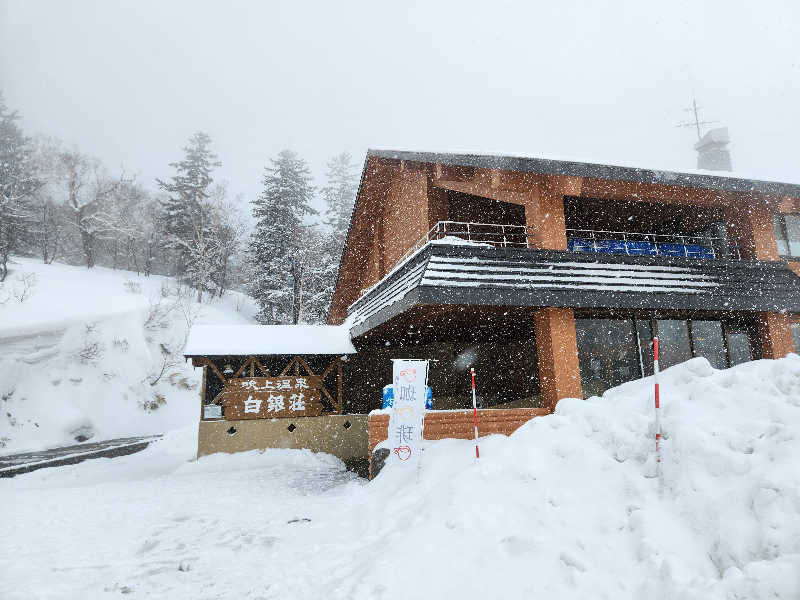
{"x":723,"y":182}
{"x":549,"y":166}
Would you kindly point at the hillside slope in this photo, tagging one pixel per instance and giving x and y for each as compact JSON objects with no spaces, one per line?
{"x":97,"y":353}
{"x":566,"y":507}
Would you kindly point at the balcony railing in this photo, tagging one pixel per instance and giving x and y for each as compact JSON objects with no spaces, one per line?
{"x":581,"y":240}
{"x":491,"y":234}
{"x":650,"y":244}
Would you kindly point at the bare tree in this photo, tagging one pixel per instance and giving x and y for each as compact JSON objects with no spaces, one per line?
{"x":230,"y":230}
{"x":18,"y":182}
{"x":87,"y":189}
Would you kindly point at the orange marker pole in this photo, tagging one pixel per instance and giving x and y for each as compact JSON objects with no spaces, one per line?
{"x":475,"y":415}
{"x":658,"y":405}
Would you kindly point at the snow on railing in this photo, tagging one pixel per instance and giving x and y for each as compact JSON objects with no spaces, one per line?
{"x":494,"y":234}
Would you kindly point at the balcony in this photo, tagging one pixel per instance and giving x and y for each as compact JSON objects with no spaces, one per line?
{"x":588,"y":241}
{"x":461,"y":263}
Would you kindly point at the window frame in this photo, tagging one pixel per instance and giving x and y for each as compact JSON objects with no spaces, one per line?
{"x":779,"y":226}
{"x":650,"y":322}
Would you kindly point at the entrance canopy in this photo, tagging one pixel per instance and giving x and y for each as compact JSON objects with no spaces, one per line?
{"x":248,"y":340}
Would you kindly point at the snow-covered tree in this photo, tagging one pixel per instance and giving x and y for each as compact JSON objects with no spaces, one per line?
{"x":339,"y":194}
{"x":276,"y":243}
{"x":50,"y":224}
{"x":187,"y":191}
{"x":315,"y":283}
{"x":18,"y":182}
{"x":133,"y":225}
{"x":202,"y":249}
{"x":230,"y":231}
{"x":87,"y":188}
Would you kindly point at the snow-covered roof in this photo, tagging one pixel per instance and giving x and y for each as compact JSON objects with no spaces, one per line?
{"x":245,"y":340}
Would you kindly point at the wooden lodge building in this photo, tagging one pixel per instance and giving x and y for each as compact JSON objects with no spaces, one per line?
{"x":549,"y":277}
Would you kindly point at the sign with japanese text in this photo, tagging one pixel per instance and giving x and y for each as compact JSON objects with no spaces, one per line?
{"x":271,"y":397}
{"x":409,"y":378}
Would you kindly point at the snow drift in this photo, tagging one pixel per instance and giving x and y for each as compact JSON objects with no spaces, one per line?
{"x":97,"y":353}
{"x":567,"y":507}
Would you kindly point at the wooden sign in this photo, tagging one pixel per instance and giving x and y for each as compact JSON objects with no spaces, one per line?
{"x":271,"y":397}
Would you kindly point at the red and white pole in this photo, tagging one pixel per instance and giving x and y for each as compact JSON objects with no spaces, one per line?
{"x":475,"y":415}
{"x":658,"y":406}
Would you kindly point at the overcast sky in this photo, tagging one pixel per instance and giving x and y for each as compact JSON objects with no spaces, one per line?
{"x":129,"y":82}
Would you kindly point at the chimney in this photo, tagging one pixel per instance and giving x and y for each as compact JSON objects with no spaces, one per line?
{"x":712,"y":151}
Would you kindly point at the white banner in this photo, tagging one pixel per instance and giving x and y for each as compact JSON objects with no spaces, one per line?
{"x":410,"y":377}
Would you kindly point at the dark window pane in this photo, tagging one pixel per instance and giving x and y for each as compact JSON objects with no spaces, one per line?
{"x":607,"y":353}
{"x":739,"y":350}
{"x":793,"y":233}
{"x":780,"y":235}
{"x":796,"y":337}
{"x":673,"y":342}
{"x":645,"y":332}
{"x":708,"y":341}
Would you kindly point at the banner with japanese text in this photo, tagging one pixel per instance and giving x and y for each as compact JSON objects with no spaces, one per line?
{"x":409,"y":379}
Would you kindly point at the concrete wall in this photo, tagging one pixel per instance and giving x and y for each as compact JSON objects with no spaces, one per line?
{"x":319,"y":434}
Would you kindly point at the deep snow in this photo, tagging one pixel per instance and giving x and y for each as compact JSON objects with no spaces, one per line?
{"x":567,"y":507}
{"x":80,"y":348}
{"x":240,"y":340}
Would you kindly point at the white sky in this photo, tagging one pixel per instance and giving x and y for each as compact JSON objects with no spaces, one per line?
{"x":607,"y":81}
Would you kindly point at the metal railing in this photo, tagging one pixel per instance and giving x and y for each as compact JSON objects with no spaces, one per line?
{"x":492,"y":234}
{"x":582,"y":240}
{"x":650,"y":244}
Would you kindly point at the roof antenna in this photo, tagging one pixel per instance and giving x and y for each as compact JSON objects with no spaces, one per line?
{"x":712,"y":147}
{"x":696,"y":122}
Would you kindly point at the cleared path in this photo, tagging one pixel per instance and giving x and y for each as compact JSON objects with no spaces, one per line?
{"x":15,"y":464}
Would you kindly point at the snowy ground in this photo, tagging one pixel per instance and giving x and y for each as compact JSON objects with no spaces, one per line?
{"x":567,"y":507}
{"x":80,"y":348}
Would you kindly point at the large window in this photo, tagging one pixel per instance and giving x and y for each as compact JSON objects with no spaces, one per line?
{"x":613,"y":351}
{"x":607,"y":353}
{"x":787,"y":234}
{"x":709,"y":342}
{"x":674,"y":344}
{"x":796,"y":336}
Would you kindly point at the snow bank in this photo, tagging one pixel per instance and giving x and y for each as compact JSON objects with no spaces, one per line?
{"x":567,"y":507}
{"x":97,"y":353}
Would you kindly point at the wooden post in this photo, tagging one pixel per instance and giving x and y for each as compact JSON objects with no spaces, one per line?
{"x":557,"y":351}
{"x":339,"y":385}
{"x":775,"y":330}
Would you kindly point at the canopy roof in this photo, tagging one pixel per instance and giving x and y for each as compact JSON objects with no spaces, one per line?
{"x":247,"y":340}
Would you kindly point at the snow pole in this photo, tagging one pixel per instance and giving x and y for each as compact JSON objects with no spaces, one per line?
{"x":658,"y":407}
{"x":475,"y":414}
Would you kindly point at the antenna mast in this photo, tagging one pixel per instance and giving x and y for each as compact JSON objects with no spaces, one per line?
{"x":696,"y":122}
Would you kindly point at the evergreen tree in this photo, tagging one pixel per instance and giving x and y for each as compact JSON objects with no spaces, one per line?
{"x":339,"y":195}
{"x":276,"y":243}
{"x":18,"y":182}
{"x":188,"y":191}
